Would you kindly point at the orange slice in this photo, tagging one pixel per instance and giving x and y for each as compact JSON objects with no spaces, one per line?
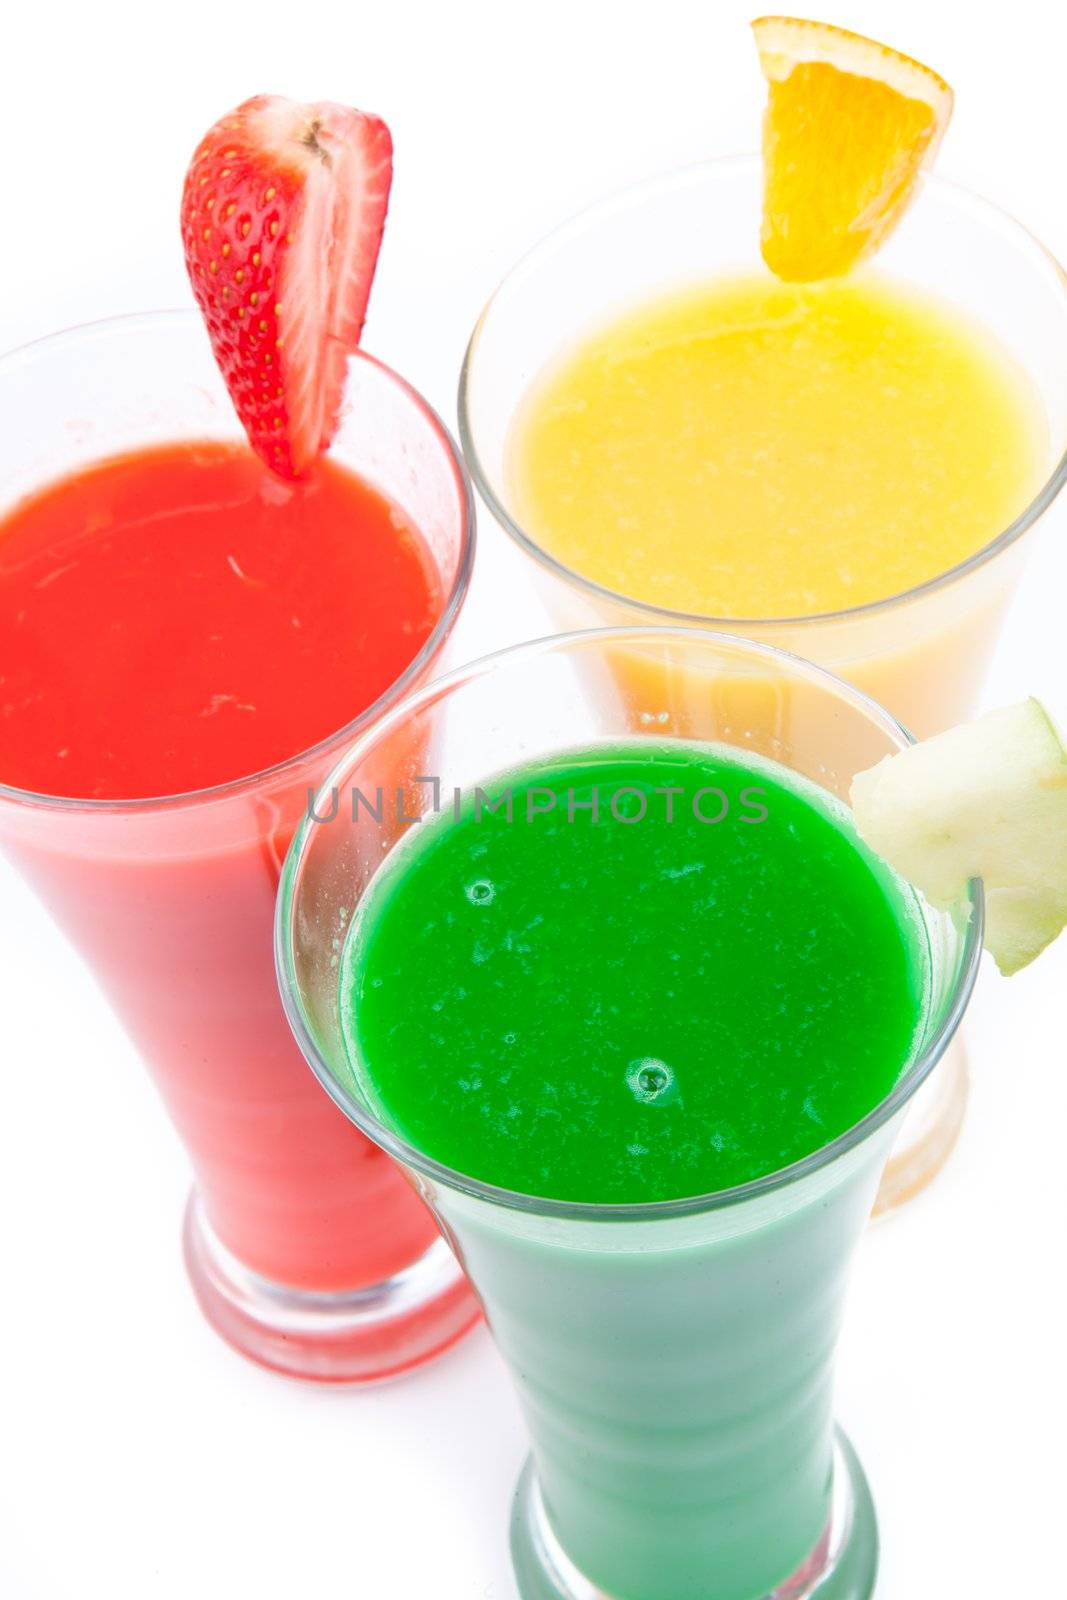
{"x":849,"y":126}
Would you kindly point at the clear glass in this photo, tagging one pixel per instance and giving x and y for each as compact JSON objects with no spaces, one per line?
{"x":674,"y":1360}
{"x":306,"y":1248}
{"x":923,"y":654}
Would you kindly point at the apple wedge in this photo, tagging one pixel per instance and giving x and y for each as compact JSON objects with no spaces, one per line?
{"x":985,"y":800}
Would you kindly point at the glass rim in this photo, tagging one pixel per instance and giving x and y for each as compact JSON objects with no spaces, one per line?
{"x":619,"y":200}
{"x":409,"y":1155}
{"x":169,"y":318}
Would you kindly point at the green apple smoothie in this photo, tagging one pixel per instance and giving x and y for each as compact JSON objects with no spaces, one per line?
{"x":592,"y":1002}
{"x":629,"y":976}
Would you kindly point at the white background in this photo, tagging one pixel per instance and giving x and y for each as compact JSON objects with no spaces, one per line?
{"x":139,"y":1458}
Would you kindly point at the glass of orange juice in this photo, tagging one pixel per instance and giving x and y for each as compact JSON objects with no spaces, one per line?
{"x":844,"y":469}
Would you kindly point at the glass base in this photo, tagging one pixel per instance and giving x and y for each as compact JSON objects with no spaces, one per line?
{"x":362,"y":1336}
{"x":929,"y":1132}
{"x":843,"y":1565}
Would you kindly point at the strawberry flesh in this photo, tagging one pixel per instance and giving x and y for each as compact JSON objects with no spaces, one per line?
{"x":282,"y":217}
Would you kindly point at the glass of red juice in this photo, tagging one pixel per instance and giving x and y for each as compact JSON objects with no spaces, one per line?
{"x":186,"y":645}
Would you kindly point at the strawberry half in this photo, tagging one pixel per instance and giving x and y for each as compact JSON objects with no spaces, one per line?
{"x":282,"y":218}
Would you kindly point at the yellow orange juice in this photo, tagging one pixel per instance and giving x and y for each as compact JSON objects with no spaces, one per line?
{"x":752,"y":451}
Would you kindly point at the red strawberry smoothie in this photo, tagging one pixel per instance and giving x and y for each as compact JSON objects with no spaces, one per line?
{"x":186,"y":633}
{"x":171,"y":620}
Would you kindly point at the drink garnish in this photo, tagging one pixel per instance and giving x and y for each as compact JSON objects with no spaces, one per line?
{"x":849,"y":127}
{"x":282,"y":218}
{"x":987,"y":799}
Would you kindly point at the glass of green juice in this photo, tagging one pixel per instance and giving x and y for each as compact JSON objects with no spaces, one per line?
{"x":615,"y":981}
{"x":846,"y":470}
